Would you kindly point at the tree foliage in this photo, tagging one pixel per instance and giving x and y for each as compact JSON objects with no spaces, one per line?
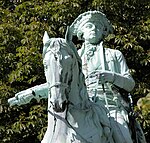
{"x":22,"y":27}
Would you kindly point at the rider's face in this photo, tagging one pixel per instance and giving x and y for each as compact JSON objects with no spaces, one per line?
{"x":92,"y":32}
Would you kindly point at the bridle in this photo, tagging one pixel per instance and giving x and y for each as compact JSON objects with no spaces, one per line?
{"x":59,"y":85}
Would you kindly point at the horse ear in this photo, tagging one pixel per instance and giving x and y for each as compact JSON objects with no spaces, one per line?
{"x":46,"y":42}
{"x":45,"y":38}
{"x":68,"y":35}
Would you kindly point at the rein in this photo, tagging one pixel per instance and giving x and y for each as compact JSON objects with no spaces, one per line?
{"x":56,"y":116}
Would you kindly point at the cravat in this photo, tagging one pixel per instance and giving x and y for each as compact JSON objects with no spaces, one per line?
{"x":90,"y":52}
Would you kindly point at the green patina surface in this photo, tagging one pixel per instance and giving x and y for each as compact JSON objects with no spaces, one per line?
{"x":106,"y":74}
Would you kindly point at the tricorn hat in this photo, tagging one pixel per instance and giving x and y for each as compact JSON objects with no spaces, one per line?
{"x":94,"y":16}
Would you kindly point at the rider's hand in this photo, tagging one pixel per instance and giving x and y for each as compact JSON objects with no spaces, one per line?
{"x":102,"y":76}
{"x":106,"y":76}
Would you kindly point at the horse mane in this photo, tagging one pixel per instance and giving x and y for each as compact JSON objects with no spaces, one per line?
{"x":54,"y":45}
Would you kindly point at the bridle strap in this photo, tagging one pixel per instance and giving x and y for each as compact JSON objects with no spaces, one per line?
{"x":58,"y":84}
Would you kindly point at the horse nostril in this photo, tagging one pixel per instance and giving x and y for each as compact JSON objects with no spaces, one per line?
{"x":59,"y":107}
{"x":63,"y":105}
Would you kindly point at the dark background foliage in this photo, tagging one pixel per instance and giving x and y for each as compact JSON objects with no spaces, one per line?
{"x":22,"y":26}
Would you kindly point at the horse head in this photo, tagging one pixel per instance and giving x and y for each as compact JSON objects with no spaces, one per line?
{"x":57,"y":60}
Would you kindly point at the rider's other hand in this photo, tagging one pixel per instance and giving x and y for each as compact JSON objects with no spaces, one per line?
{"x":24,"y":96}
{"x":13,"y":101}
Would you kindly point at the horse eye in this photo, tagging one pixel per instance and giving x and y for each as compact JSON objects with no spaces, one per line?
{"x":56,"y":86}
{"x":45,"y":67}
{"x":56,"y":58}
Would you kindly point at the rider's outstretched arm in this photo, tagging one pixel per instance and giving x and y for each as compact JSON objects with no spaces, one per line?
{"x":37,"y":92}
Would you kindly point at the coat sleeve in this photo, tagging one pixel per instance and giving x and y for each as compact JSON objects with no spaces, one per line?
{"x":40,"y":91}
{"x":123,"y":78}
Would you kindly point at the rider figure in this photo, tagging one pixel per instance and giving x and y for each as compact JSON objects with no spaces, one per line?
{"x":104,"y":67}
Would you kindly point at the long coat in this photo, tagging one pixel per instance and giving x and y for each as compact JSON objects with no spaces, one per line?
{"x":97,"y":59}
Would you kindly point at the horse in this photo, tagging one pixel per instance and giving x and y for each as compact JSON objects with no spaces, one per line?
{"x":72,"y":116}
